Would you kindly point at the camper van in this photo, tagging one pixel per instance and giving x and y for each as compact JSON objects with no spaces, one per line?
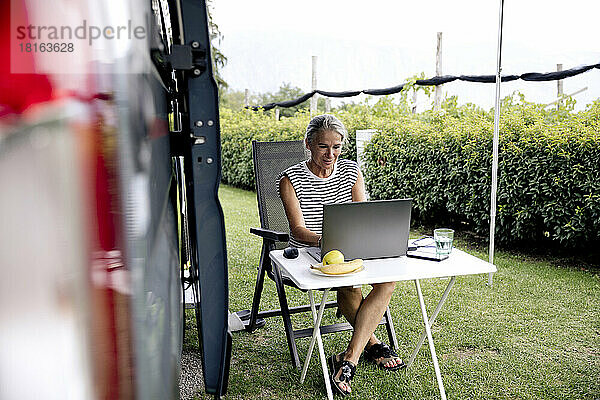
{"x":109,"y":169}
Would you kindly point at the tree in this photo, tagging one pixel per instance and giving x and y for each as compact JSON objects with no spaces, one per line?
{"x":234,"y":100}
{"x":219,"y":60}
{"x":286,"y":92}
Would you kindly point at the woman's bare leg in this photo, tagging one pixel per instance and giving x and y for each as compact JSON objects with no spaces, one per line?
{"x":349,"y":300}
{"x":364,"y":315}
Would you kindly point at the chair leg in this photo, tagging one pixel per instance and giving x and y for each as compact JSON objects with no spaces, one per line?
{"x":265,"y":262}
{"x":258,"y":288}
{"x":389,"y":326}
{"x":285,"y":314}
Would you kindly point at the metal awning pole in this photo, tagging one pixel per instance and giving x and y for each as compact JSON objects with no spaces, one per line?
{"x":495,"y":142}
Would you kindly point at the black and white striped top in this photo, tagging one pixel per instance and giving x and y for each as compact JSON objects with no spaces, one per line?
{"x":313,"y":192}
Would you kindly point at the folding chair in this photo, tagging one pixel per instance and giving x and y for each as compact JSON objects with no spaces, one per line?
{"x":270,"y":158}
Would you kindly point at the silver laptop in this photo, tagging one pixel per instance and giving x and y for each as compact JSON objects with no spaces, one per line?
{"x":369,"y":229}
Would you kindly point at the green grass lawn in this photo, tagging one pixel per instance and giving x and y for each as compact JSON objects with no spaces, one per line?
{"x":534,"y":335}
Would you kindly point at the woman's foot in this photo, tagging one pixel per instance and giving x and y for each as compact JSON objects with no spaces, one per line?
{"x":342,"y":372}
{"x":384,"y":357}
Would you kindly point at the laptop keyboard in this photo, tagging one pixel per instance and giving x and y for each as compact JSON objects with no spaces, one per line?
{"x":314,"y":252}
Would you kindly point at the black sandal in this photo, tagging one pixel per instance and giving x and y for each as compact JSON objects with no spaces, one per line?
{"x":382,"y":350}
{"x":348,"y":370}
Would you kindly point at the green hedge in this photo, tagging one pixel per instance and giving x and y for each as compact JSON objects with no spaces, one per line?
{"x":548,"y":173}
{"x":238,"y":129}
{"x":548,"y":178}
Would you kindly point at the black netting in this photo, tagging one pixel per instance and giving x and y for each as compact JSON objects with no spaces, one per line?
{"x":270,"y":158}
{"x":437,"y":80}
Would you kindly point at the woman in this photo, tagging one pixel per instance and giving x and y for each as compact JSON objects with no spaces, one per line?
{"x":304,"y":188}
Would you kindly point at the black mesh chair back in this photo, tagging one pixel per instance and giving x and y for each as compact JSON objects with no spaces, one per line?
{"x":270,"y":159}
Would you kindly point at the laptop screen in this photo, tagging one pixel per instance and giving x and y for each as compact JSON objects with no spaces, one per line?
{"x":369,"y":229}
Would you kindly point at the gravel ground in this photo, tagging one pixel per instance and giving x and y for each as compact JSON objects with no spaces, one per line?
{"x":190,"y":381}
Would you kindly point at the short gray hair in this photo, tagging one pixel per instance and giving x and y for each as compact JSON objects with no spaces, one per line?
{"x":325,"y":122}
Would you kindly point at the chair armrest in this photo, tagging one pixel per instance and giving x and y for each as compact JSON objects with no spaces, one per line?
{"x":271,"y":235}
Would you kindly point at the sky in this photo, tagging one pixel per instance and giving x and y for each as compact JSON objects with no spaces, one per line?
{"x":377,"y":44}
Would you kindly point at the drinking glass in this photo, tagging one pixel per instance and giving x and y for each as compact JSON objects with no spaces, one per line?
{"x":443,"y":240}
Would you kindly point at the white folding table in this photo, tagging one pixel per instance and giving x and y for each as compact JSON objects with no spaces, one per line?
{"x":377,"y":271}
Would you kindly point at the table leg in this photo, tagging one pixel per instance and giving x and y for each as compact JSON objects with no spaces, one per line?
{"x":436,"y":367}
{"x":316,"y":337}
{"x":431,"y":321}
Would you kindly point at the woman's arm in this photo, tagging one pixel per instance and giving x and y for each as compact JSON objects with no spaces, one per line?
{"x":294,"y":214}
{"x":358,"y":190}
